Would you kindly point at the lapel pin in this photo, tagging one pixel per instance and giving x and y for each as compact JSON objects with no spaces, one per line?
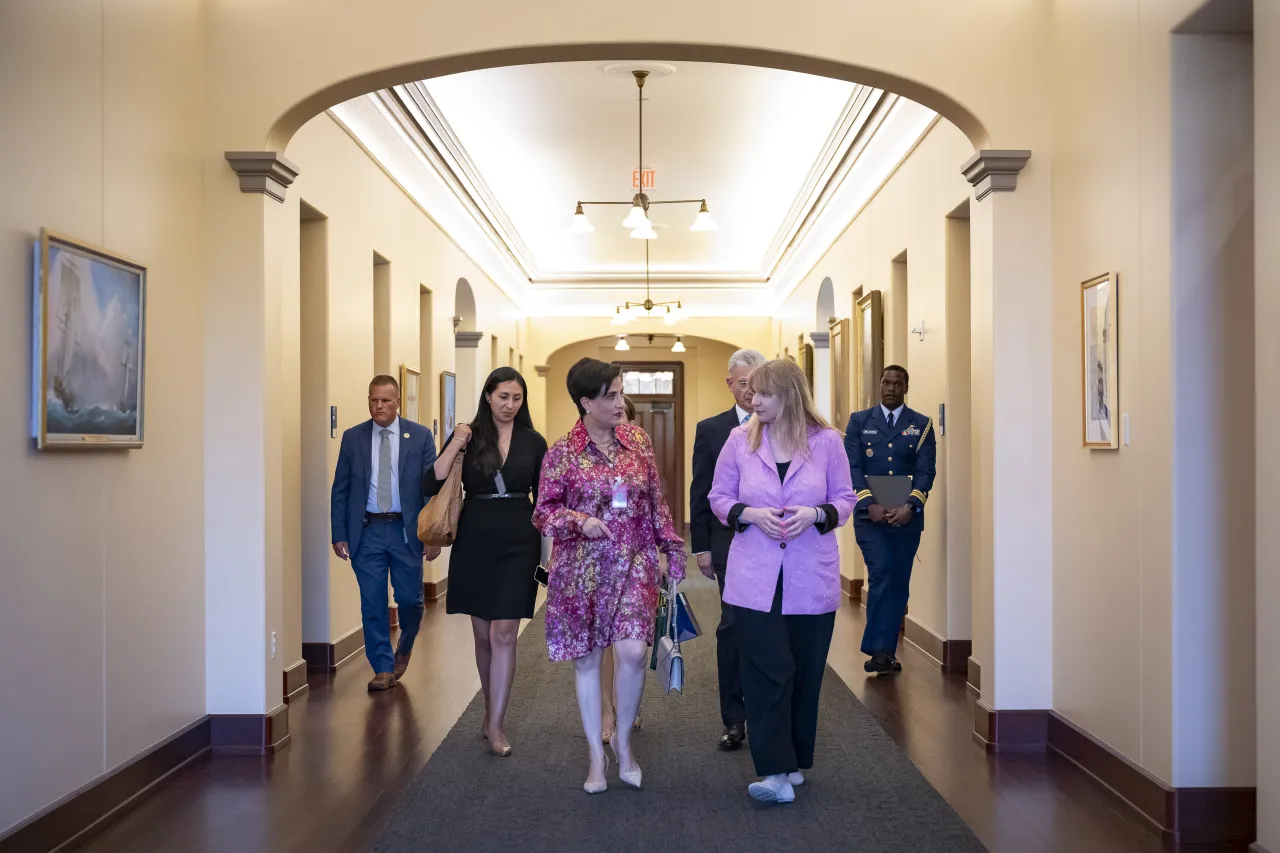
{"x":406,"y":435}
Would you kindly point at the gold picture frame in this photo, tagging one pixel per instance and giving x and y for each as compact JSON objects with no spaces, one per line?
{"x":89,"y":346}
{"x":841,"y":387}
{"x":1100,"y":361}
{"x":410,"y":393}
{"x":870,"y":349}
{"x":448,"y":404}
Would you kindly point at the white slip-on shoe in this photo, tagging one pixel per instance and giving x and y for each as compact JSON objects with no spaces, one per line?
{"x":772,"y":789}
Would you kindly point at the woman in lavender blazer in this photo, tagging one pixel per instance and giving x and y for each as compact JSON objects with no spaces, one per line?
{"x":782,"y":482}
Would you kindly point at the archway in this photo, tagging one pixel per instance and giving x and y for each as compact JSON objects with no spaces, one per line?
{"x":934,"y":98}
{"x":460,"y":401}
{"x":1011,"y":261}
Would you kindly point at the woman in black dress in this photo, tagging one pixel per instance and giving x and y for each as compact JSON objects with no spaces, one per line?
{"x":497,"y":548}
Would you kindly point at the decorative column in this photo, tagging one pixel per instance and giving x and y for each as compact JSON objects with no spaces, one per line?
{"x":822,"y":372}
{"x":1012,"y":401}
{"x":243,"y":452}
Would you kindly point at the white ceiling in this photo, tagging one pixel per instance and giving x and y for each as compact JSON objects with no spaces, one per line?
{"x":544,"y":137}
{"x":500,"y":157}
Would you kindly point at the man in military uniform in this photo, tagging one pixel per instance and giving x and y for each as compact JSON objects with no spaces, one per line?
{"x":892,"y":440}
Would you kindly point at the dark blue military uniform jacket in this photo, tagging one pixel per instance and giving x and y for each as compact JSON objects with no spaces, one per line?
{"x":910,"y":450}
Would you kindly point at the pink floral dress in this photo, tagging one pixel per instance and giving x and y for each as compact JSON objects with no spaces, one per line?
{"x":603,"y":590}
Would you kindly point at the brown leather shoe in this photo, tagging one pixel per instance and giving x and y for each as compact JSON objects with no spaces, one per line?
{"x":382,"y":681}
{"x":402,"y":663}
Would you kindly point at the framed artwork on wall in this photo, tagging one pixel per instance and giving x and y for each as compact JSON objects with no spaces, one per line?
{"x":870,"y":360}
{"x":89,"y":324}
{"x":448,"y":404}
{"x":1099,"y":346}
{"x":841,"y":333}
{"x":410,"y":394}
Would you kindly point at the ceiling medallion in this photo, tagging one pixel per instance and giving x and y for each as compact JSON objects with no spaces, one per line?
{"x":638,"y":219}
{"x":628,"y":69}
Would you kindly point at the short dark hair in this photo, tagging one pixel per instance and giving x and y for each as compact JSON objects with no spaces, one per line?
{"x":384,"y":379}
{"x":590,"y":378}
{"x":906,"y":377}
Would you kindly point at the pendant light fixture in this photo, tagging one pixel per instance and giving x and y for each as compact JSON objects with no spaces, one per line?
{"x":641,"y":228}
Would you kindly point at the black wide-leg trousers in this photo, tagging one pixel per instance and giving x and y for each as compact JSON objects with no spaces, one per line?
{"x":783,"y":660}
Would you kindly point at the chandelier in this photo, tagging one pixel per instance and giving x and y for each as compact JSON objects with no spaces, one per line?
{"x":671,"y":311}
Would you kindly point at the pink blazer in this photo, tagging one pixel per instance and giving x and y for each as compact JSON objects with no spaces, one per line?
{"x":810,"y":563}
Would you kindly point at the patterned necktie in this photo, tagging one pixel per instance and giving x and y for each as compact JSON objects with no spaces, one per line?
{"x":384,"y":472}
{"x":745,"y":418}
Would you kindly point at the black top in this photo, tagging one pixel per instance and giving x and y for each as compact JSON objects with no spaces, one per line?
{"x":519,"y":472}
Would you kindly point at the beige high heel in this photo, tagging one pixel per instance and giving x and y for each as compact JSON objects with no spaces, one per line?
{"x":629,"y":777}
{"x":599,"y":787}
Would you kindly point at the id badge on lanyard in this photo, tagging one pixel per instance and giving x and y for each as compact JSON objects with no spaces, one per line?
{"x":619,"y":494}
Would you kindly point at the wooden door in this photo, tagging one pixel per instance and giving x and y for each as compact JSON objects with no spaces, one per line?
{"x":661,"y":415}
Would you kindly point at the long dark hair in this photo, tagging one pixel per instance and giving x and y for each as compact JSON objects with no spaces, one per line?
{"x":484,"y":433}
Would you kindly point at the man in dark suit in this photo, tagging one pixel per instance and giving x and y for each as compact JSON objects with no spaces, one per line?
{"x":377,"y":495}
{"x":711,"y":539}
{"x":890,"y":440}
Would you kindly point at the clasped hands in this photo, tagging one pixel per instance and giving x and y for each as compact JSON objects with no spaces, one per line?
{"x":783,"y":523}
{"x":893,"y":517}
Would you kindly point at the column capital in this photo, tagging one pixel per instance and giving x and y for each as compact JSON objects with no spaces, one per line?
{"x":467,"y":340}
{"x":263,"y":172}
{"x":991,"y":169}
{"x":821,"y":340}
{"x":543,"y":370}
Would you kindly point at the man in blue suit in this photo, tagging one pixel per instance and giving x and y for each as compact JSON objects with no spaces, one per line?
{"x":377,"y":495}
{"x":889,"y":440}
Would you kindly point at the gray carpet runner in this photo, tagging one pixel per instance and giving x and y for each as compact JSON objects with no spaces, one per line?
{"x":863,"y":793}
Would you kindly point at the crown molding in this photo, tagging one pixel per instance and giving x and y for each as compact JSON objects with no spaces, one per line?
{"x":467,"y":340}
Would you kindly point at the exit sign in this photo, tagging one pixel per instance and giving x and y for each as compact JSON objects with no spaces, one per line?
{"x":645,"y":179}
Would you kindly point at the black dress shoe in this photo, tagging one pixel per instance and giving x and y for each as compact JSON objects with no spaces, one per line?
{"x":733,"y":736}
{"x":880,"y":662}
{"x":894,"y":665}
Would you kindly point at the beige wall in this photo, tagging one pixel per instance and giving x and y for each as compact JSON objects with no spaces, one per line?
{"x":102,"y":613}
{"x":367,"y":213}
{"x":1266,"y":71}
{"x":908,"y":214}
{"x":1114,"y":585}
{"x":705,"y":367}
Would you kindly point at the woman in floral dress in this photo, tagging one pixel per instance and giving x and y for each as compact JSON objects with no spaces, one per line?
{"x":601,"y":500}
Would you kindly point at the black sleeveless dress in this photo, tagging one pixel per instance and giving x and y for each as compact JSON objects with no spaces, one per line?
{"x":492,"y":561}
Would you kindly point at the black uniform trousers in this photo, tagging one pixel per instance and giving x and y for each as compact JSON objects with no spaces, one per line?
{"x":728,"y":662}
{"x":783,"y":661}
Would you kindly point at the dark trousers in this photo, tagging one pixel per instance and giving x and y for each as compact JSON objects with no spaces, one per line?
{"x":383,"y":549}
{"x":728,"y":662}
{"x":783,"y":660}
{"x":889,"y":552}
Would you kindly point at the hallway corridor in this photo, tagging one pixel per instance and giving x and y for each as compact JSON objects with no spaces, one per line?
{"x":353,"y":755}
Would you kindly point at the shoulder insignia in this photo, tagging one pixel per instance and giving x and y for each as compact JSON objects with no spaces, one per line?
{"x":924,"y":433}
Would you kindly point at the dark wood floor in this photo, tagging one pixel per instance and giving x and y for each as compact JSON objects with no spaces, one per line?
{"x":352,"y":753}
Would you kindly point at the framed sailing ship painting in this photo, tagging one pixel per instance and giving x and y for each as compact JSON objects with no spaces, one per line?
{"x":89,"y":346}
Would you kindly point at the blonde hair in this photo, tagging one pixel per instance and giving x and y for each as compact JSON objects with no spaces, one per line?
{"x":784,"y":380}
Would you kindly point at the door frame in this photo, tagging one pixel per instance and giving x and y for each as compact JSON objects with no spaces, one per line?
{"x":677,"y":391}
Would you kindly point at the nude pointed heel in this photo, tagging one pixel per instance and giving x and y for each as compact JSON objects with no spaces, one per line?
{"x":628,"y":777}
{"x":599,"y":787}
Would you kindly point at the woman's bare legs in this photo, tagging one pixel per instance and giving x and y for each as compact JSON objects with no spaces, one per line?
{"x":630,"y":657}
{"x":608,"y":721}
{"x":502,"y":671}
{"x":484,"y":654}
{"x":586,"y":671}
